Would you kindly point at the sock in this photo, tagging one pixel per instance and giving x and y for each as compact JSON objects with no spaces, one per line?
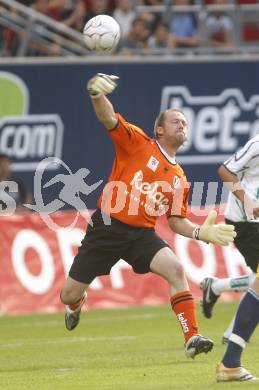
{"x":77,"y":304}
{"x":184,"y":307}
{"x":241,"y":283}
{"x":229,"y":330}
{"x":246,"y":321}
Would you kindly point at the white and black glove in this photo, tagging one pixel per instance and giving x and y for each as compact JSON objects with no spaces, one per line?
{"x":220,"y":234}
{"x":101,"y":84}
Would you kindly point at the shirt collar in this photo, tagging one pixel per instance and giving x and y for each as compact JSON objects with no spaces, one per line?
{"x":172,"y":160}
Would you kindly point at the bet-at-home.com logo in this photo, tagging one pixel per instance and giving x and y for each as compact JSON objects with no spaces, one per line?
{"x":218,"y":125}
{"x":27,"y":139}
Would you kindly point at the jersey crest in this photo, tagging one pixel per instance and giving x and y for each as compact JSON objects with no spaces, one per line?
{"x":152,"y":163}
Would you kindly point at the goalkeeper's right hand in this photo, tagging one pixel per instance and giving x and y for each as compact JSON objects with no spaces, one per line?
{"x":101,"y":84}
{"x":210,"y":232}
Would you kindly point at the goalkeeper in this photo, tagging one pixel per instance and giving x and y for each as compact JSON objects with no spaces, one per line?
{"x":145,"y":182}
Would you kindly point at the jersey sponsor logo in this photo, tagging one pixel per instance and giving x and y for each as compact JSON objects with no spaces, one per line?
{"x":152,"y":163}
{"x":150,"y":189}
{"x":26,"y":138}
{"x":218,"y":124}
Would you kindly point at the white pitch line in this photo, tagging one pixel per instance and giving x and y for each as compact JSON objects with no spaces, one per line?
{"x":64,"y":369}
{"x":64,"y":341}
{"x":88,"y":319}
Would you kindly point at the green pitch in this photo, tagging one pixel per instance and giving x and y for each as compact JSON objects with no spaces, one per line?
{"x":130,"y":349}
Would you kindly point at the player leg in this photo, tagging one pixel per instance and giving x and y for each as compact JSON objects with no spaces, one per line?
{"x":230,"y":327}
{"x":73,"y":295}
{"x":148,"y":252}
{"x":247,"y":318}
{"x":166,"y":264}
{"x":96,"y":256}
{"x":213,"y":287}
{"x":247,"y":243}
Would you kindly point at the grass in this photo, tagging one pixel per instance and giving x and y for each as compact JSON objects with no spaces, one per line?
{"x":140,"y":349}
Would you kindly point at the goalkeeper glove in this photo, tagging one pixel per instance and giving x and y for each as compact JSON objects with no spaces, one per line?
{"x":220,"y":234}
{"x":101,"y":84}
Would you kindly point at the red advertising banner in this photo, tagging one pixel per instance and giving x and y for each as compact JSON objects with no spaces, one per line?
{"x":35,"y":261}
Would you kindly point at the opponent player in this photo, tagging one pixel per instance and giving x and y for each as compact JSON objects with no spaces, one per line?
{"x":145,"y":182}
{"x":240,"y":172}
{"x":247,"y":317}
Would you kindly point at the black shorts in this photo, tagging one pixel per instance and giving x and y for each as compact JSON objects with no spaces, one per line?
{"x":247,"y":241}
{"x":104,"y":245}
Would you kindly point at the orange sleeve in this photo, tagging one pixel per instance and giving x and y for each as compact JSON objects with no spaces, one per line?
{"x":126,"y":135}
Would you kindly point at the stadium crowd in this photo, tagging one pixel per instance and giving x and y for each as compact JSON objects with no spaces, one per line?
{"x":151,"y":31}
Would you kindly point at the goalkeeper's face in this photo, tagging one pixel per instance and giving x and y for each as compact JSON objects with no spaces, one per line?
{"x":174,"y":128}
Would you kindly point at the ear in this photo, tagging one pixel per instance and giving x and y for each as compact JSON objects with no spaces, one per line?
{"x":159,"y":131}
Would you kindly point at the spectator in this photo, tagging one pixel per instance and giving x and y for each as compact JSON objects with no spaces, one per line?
{"x":20,"y":197}
{"x":137,"y":37}
{"x":41,"y":6}
{"x":27,"y":3}
{"x":9,"y":38}
{"x":111,"y":4}
{"x":97,"y":7}
{"x":124,"y":14}
{"x":10,"y":42}
{"x":71,"y":12}
{"x":162,"y":38}
{"x":183,"y":26}
{"x":40,"y":49}
{"x":151,"y":19}
{"x":220,"y":27}
{"x":153,"y":2}
{"x":13,"y":40}
{"x":2,"y":43}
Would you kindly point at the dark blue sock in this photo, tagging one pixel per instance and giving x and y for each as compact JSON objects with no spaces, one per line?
{"x":247,"y":318}
{"x":232,"y":357}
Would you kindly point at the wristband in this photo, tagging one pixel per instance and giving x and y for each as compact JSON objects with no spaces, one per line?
{"x":93,"y":94}
{"x":196,"y":233}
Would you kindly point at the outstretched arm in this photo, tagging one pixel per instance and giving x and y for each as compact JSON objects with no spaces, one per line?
{"x":182,"y":226}
{"x":220,"y":234}
{"x":104,"y":111}
{"x":98,"y":86}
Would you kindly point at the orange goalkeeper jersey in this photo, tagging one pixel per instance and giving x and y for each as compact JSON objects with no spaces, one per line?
{"x":143,"y":183}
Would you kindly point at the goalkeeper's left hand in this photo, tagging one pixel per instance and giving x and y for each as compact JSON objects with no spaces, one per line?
{"x":220,"y":234}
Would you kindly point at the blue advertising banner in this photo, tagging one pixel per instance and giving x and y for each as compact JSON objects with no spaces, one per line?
{"x":45,"y":111}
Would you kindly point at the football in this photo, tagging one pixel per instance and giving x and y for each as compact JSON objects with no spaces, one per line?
{"x":101,"y":33}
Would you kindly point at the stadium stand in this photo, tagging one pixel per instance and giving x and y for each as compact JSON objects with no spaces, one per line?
{"x":53,"y":28}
